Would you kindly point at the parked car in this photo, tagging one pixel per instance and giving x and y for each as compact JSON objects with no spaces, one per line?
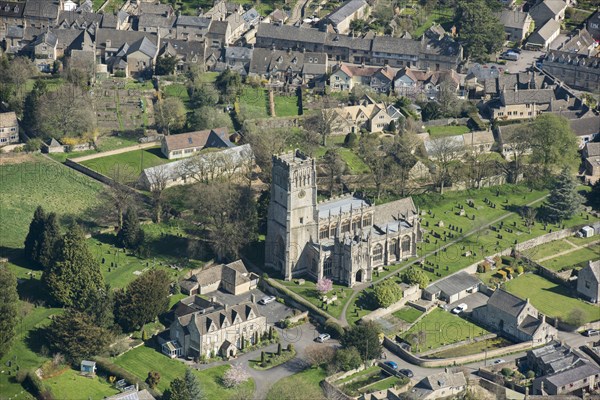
{"x":499,"y":361}
{"x":459,"y":308}
{"x":592,"y":332}
{"x":509,"y":55}
{"x":391,"y":364}
{"x":267,"y":300}
{"x":323,"y":337}
{"x":407,"y":372}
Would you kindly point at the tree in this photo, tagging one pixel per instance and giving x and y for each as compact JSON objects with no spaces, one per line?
{"x":235,"y":376}
{"x":365,"y":338}
{"x":186,"y":388}
{"x":144,"y":299}
{"x":479,"y":30}
{"x":32,"y":102}
{"x":34,"y":237}
{"x":206,"y":117}
{"x":169,"y":114}
{"x":158,"y":180}
{"x":374,"y":153}
{"x":445,"y":152}
{"x":387,"y":293}
{"x":66,"y":112}
{"x":347,"y":359}
{"x":153,"y":379}
{"x":265,"y":143}
{"x":202,"y":94}
{"x":165,"y":65}
{"x":324,"y":285}
{"x":528,"y":214}
{"x":317,"y":355}
{"x":226,"y":215}
{"x":413,"y":275}
{"x":50,"y":240}
{"x":74,"y":275}
{"x":131,"y":235}
{"x":119,"y":196}
{"x":402,"y":161}
{"x":447,"y":98}
{"x":553,"y":144}
{"x":229,"y":84}
{"x":75,"y":335}
{"x":594,"y":196}
{"x":564,"y":200}
{"x":334,"y":167}
{"x":9,"y":301}
{"x":324,"y":123}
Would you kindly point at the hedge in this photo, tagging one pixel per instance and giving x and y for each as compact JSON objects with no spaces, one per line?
{"x":34,"y":385}
{"x":334,"y":329}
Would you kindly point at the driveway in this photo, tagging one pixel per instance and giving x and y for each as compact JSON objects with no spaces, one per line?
{"x":525,"y":61}
{"x":472,"y":301}
{"x":274,"y":312}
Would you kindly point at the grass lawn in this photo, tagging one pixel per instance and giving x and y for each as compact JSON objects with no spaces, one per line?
{"x":309,"y":292}
{"x":130,"y":164}
{"x":549,"y":249}
{"x":177,"y":90}
{"x":408,"y":314}
{"x":39,"y":181}
{"x":364,"y":373}
{"x":133,"y":84}
{"x":383,"y":384}
{"x":253,"y":103}
{"x":21,"y":353}
{"x":450,"y":130}
{"x":472,"y":348}
{"x":439,"y":15}
{"x":442,"y":328}
{"x":308,"y":380}
{"x":550,"y":298}
{"x":286,"y":106}
{"x":143,"y":359}
{"x":72,"y":386}
{"x":580,"y":257}
{"x":103,"y":143}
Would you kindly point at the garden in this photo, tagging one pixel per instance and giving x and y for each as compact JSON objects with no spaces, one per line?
{"x":449,"y":130}
{"x":305,"y":384}
{"x":269,"y":359}
{"x":128,"y":165}
{"x":369,"y":380}
{"x":308,"y":290}
{"x":577,"y":258}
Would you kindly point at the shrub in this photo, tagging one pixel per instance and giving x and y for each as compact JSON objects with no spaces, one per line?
{"x":35,"y":386}
{"x":520,"y":269}
{"x":33,"y":145}
{"x":350,"y":140}
{"x":484,"y":267}
{"x":334,"y":329}
{"x":290,"y":347}
{"x":507,"y":372}
{"x":530,"y":374}
{"x":119,"y":74}
{"x":108,"y":368}
{"x":235,"y":376}
{"x":153,"y":379}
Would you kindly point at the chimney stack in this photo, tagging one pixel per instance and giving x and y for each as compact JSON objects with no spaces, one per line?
{"x":253,"y":298}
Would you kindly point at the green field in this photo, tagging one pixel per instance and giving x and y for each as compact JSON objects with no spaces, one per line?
{"x":408,"y":314}
{"x":580,"y":257}
{"x":177,"y":90}
{"x":253,"y":103}
{"x":130,"y":165}
{"x":548,"y":249}
{"x":449,"y":130}
{"x":39,"y":181}
{"x":308,"y":381}
{"x":472,"y":348}
{"x":286,"y":106}
{"x":442,"y":328}
{"x":70,"y":385}
{"x":550,"y":298}
{"x":143,"y":359}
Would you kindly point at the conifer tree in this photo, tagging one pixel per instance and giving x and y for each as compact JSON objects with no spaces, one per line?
{"x":564,"y":200}
{"x":34,"y":236}
{"x":9,"y":301}
{"x":131,"y":235}
{"x":50,"y":238}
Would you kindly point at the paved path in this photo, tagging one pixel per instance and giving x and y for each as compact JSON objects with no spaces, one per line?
{"x":562,"y":253}
{"x":358,"y":288}
{"x":297,"y":11}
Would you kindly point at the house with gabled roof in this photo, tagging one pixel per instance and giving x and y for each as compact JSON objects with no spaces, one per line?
{"x":187,"y":144}
{"x":345,"y":76}
{"x":341,"y":18}
{"x":217,"y":330}
{"x":588,"y":281}
{"x":515,"y":318}
{"x":444,"y":384}
{"x":9,"y":128}
{"x":11,"y":13}
{"x":233,"y":278}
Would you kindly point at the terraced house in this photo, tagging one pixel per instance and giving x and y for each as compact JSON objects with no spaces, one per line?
{"x":9,"y":128}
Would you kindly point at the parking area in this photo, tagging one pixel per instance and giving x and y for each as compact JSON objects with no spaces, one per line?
{"x":472,"y":301}
{"x":274,"y":311}
{"x":526,"y":59}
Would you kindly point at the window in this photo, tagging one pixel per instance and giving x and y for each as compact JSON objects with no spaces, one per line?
{"x":355,"y":224}
{"x":394,"y":248}
{"x":377,"y":254}
{"x":301,"y":220}
{"x":332,"y":230}
{"x":328,"y":267}
{"x":405,"y":244}
{"x":366,"y":221}
{"x":324,"y":233}
{"x":346,"y":226}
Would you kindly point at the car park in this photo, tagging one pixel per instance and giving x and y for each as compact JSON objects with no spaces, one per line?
{"x":267,"y":300}
{"x":323,"y":337}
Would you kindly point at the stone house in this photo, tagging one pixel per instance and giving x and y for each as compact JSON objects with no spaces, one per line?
{"x":411,"y":82}
{"x":44,"y":51}
{"x":584,"y":378}
{"x":119,"y":21}
{"x":439,"y":386}
{"x":9,"y":128}
{"x":546,"y":10}
{"x":340,"y":18}
{"x":191,"y":28}
{"x":367,"y":115}
{"x":552,"y":358}
{"x":515,"y":318}
{"x":11,"y":14}
{"x":586,"y":128}
{"x":526,"y":104}
{"x":544,"y":36}
{"x":233,"y":278}
{"x":158,"y":24}
{"x":579,"y":71}
{"x":288,"y":67}
{"x":588,"y":282}
{"x":345,"y":239}
{"x":215,"y":330}
{"x":187,"y":144}
{"x":41,"y":14}
{"x":517,"y":24}
{"x":345,"y":76}
{"x":452,"y":288}
{"x":186,"y":52}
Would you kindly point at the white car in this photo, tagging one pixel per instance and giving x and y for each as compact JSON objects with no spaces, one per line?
{"x":499,"y":361}
{"x":267,"y":300}
{"x":459,"y":308}
{"x":323,"y":337}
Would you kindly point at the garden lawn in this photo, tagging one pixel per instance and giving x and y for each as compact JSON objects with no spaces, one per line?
{"x":21,"y":354}
{"x":309,"y":292}
{"x":253,"y":103}
{"x":384,"y":384}
{"x":550,"y":298}
{"x":71,"y":386}
{"x":309,"y":378}
{"x":177,"y":90}
{"x":130,"y":164}
{"x":361,"y":374}
{"x":39,"y":181}
{"x":472,"y":348}
{"x":573,"y":258}
{"x":442,"y":328}
{"x":549,"y":249}
{"x":143,"y":359}
{"x":103,"y":143}
{"x":286,"y":106}
{"x":408,"y":314}
{"x":449,"y":130}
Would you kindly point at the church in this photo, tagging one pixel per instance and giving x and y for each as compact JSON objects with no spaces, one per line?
{"x":345,"y":239}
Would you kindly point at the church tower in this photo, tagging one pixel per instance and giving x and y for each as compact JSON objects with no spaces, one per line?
{"x":292,"y":216}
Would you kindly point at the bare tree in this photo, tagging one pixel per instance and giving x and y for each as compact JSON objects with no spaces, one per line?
{"x":265,"y":143}
{"x":158,"y":179}
{"x":324,"y":123}
{"x":169,"y":114}
{"x":445,"y":152}
{"x":119,"y":193}
{"x":518,"y":145}
{"x":528,"y":214}
{"x":67,"y":111}
{"x":334,"y":167}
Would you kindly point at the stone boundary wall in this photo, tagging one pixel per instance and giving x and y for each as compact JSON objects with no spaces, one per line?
{"x":88,"y":171}
{"x":383,"y":312}
{"x":457,"y":344}
{"x":114,"y":152}
{"x":443,"y":362}
{"x":446,"y":121}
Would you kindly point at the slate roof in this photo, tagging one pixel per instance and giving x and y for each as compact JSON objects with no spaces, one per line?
{"x":265,"y":61}
{"x":155,"y":21}
{"x":341,"y":205}
{"x":207,"y":138}
{"x":218,"y":28}
{"x":394,"y":211}
{"x":41,"y":9}
{"x":250,"y":16}
{"x":594,"y":267}
{"x":79,"y":18}
{"x":453,"y":284}
{"x":542,"y":35}
{"x":223,"y":318}
{"x":345,"y":10}
{"x":187,"y":49}
{"x":118,"y":37}
{"x":512,"y":18}
{"x":187,"y":20}
{"x":152,"y":8}
{"x":388,"y":44}
{"x":112,"y":20}
{"x":11,"y":9}
{"x":552,"y":7}
{"x":586,"y":125}
{"x":132,"y":395}
{"x":538,"y":96}
{"x":507,"y":302}
{"x":48,"y":38}
{"x":572,"y":375}
{"x":477,"y":138}
{"x":444,"y":380}
{"x":593,"y":149}
{"x":529,"y":325}
{"x":288,"y":32}
{"x":8,"y":119}
{"x":145,"y":46}
{"x":237,"y":53}
{"x":580,"y":43}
